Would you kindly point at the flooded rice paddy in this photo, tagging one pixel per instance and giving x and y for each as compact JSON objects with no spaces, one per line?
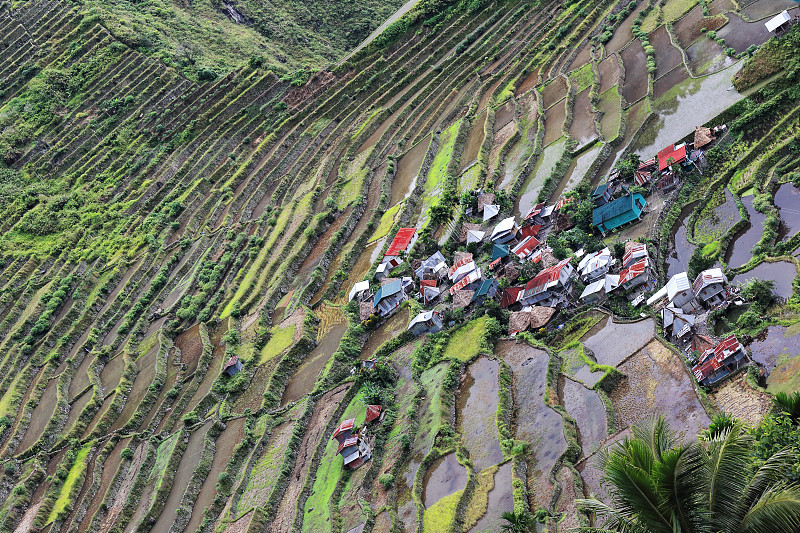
{"x":553,"y":92}
{"x":624,"y":33}
{"x":443,"y":478}
{"x":787,"y":200}
{"x":665,"y":83}
{"x":764,"y":8}
{"x":576,"y":171}
{"x":781,"y":272}
{"x":474,"y":142}
{"x":695,"y":102}
{"x":609,"y":73}
{"x":476,"y":407}
{"x":582,"y":128}
{"x":739,"y":249}
{"x":778,"y":351}
{"x":540,"y":425}
{"x":543,"y":168}
{"x":715,"y":221}
{"x":635,"y":63}
{"x":501,"y":499}
{"x":667,"y":56}
{"x":680,"y":247}
{"x":407,"y":169}
{"x":554,"y":121}
{"x":586,"y":407}
{"x":610,"y":342}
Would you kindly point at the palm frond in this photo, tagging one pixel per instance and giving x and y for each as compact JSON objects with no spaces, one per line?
{"x":777,"y":510}
{"x":614,"y":520}
{"x":768,"y":475}
{"x":683,"y":485}
{"x":728,"y":470}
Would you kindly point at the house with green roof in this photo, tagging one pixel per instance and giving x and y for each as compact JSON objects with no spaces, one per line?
{"x":621,"y":211}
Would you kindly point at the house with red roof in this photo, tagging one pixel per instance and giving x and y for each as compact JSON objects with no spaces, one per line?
{"x":550,"y":286}
{"x":671,"y":155}
{"x":401,"y":244}
{"x":511,"y":296}
{"x":718,"y":362}
{"x":636,"y":274}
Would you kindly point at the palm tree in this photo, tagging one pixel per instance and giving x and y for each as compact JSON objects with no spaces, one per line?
{"x":789,"y":404}
{"x":522,"y":522}
{"x":658,"y":485}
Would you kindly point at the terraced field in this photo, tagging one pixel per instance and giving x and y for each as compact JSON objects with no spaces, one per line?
{"x":153,"y":227}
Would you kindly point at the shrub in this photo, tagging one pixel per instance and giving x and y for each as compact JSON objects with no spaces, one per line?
{"x":387,"y":480}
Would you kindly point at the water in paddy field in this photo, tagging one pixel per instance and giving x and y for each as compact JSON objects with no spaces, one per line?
{"x":576,"y":171}
{"x":407,"y":169}
{"x":778,"y":350}
{"x":680,"y":247}
{"x":611,"y":342}
{"x":544,"y":166}
{"x":738,"y":252}
{"x":476,"y":408}
{"x":781,"y":272}
{"x":787,"y":200}
{"x":696,"y":102}
{"x":443,"y":478}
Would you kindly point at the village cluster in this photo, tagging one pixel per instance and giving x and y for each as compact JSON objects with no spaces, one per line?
{"x":469,"y":282}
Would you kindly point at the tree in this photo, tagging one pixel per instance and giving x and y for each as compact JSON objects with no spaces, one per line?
{"x":759,"y":292}
{"x":789,"y":404}
{"x":658,"y":485}
{"x":522,"y":522}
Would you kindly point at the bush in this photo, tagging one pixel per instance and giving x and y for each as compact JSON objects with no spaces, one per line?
{"x":127,"y":454}
{"x":387,"y":480}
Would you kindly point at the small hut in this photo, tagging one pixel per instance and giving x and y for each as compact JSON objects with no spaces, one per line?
{"x":703,"y":137}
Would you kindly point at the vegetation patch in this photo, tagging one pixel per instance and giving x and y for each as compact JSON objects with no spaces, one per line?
{"x":442,"y":514}
{"x":479,"y":503}
{"x":280,"y":339}
{"x":386,"y":223}
{"x":466,"y":342}
{"x":75,"y":474}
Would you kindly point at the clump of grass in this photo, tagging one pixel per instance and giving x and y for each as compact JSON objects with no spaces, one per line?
{"x":280,"y":340}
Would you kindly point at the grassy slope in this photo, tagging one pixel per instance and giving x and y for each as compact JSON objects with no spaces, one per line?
{"x":193,"y":36}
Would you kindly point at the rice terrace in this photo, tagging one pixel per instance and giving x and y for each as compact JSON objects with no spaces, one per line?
{"x":443,"y":265}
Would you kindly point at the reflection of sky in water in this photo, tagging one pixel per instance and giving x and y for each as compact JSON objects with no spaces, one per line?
{"x":697,"y":102}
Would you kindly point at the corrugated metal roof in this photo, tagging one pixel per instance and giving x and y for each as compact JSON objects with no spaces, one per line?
{"x":677,"y":155}
{"x":592,"y":288}
{"x":614,"y":209}
{"x":708,"y":277}
{"x":232,"y":361}
{"x":634,"y":251}
{"x":511,"y":295}
{"x":373,"y":412}
{"x":401,"y":241}
{"x":459,"y":263}
{"x":777,"y":21}
{"x":677,"y":283}
{"x":633,"y":271}
{"x":545,"y":278}
{"x":504,"y":226}
{"x":388,"y":290}
{"x":344,"y":426}
{"x":499,"y":251}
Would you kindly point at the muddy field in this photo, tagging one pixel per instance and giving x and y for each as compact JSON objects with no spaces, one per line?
{"x":635,"y":63}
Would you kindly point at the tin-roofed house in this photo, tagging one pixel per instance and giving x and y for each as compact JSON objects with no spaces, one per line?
{"x":358,"y":291}
{"x":352,"y":447}
{"x":602,"y":194}
{"x":401,"y":244}
{"x":597,"y":291}
{"x":486,"y":289}
{"x":595,"y":265}
{"x":505,"y":231}
{"x":678,"y":293}
{"x":619,"y":212}
{"x":389,"y":297}
{"x":636,"y":275}
{"x":425,"y":322}
{"x":551,"y":286}
{"x":678,"y":325}
{"x":715,"y":364}
{"x":710,"y":287}
{"x":233,"y":366}
{"x":433,"y":267}
{"x":634,"y":251}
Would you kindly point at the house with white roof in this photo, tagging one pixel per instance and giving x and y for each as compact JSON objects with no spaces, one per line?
{"x":358,"y":290}
{"x":597,"y":291}
{"x":678,"y":293}
{"x":505,"y":231}
{"x":779,"y":22}
{"x":425,"y":322}
{"x":433,"y":267}
{"x":595,"y":265}
{"x":709,"y":287}
{"x":634,"y":252}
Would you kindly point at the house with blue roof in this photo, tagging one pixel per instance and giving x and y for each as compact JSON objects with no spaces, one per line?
{"x":621,"y":211}
{"x":389,"y":297}
{"x":602,"y":194}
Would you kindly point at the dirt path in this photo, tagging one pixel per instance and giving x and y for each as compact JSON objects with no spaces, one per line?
{"x":324,"y":409}
{"x":372,"y":36}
